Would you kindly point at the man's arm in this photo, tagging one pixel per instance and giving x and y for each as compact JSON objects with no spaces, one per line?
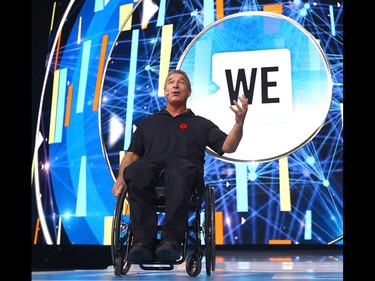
{"x":235,"y":135}
{"x":119,"y":184}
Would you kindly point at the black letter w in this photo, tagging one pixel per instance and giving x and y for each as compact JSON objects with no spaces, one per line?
{"x":241,"y":78}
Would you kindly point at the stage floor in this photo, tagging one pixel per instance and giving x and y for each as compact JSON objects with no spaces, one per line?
{"x":296,"y":265}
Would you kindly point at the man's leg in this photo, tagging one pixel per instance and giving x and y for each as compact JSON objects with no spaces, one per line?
{"x":140,"y":178}
{"x":180,"y":179}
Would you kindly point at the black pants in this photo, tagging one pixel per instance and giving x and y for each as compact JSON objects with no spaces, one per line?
{"x":180,"y":177}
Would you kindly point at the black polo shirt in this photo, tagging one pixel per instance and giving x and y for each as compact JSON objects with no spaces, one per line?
{"x":161,"y":138}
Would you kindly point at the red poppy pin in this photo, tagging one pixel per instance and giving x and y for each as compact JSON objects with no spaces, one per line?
{"x":183,"y":126}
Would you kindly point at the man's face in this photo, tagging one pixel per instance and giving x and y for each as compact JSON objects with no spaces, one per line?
{"x":177,"y":89}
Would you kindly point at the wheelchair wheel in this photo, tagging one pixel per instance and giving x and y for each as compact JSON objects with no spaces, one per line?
{"x":209,"y":229}
{"x":120,"y":236}
{"x":194,"y":265}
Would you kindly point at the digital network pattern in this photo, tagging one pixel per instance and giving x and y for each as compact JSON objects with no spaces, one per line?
{"x":105,"y":73}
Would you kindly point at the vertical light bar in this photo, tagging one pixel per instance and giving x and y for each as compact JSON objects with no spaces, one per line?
{"x":332,"y":18}
{"x":219,"y":9}
{"x":69,"y":100}
{"x":241,"y":188}
{"x":56,"y":63}
{"x":161,"y":14}
{"x":53,"y":16}
{"x":81,"y":193}
{"x":131,"y":88}
{"x":279,"y":242}
{"x":149,"y":9}
{"x":209,"y":12}
{"x":165,"y":55}
{"x":342,"y":112}
{"x":51,"y":27}
{"x":99,"y":5}
{"x":203,"y":63}
{"x":55,"y":91}
{"x":308,"y":225}
{"x":107,"y":230}
{"x":275,"y":8}
{"x":121,"y":155}
{"x":60,"y":109}
{"x":83,"y":76}
{"x":219,"y":228}
{"x":285,"y":204}
{"x":99,"y":76}
{"x":272,"y":28}
{"x":36,"y":231}
{"x":58,"y":242}
{"x":314,"y":60}
{"x":125,"y":11}
{"x":79,"y":33}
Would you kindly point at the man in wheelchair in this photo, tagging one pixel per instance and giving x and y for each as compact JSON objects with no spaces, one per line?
{"x":173,"y":142}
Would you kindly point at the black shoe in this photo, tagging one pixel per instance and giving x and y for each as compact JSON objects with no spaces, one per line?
{"x":168,"y":250}
{"x":141,"y":252}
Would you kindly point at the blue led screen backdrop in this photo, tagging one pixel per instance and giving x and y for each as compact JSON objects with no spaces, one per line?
{"x":105,"y":72}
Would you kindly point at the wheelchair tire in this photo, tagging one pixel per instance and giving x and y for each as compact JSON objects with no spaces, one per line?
{"x":120,"y":236}
{"x":209,"y":229}
{"x":121,"y":267}
{"x":213,"y":230}
{"x":193,"y":265}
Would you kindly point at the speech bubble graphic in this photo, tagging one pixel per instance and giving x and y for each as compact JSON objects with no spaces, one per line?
{"x":281,"y":69}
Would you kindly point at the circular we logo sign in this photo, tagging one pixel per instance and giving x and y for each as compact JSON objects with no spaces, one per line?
{"x":277,"y":64}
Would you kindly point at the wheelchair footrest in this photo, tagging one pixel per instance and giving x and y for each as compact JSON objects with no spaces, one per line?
{"x":156,"y":266}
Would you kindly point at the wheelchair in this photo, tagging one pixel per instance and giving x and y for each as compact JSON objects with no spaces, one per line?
{"x":121,"y":235}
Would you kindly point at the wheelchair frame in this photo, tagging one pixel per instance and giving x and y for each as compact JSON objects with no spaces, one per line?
{"x":121,"y":236}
